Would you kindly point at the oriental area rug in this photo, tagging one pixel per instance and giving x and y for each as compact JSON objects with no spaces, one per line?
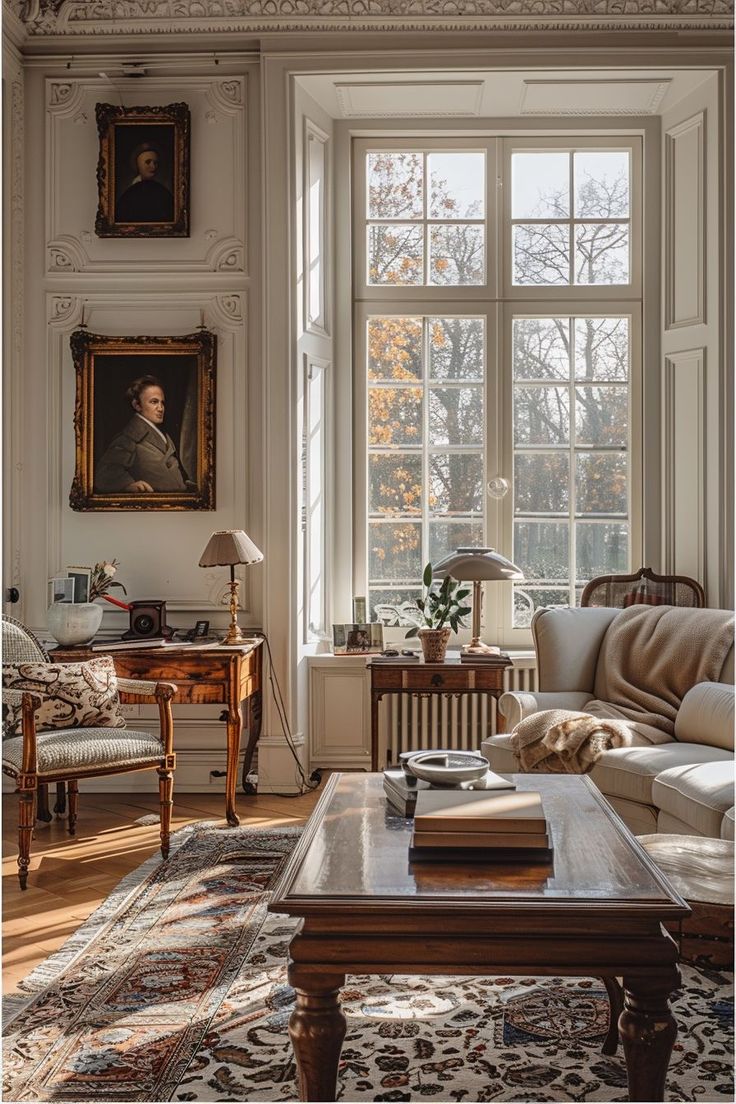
{"x":175,"y":989}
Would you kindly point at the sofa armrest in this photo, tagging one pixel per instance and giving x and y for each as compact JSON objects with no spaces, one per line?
{"x":517,"y":705}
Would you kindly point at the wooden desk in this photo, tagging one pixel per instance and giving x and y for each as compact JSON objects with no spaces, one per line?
{"x":231,"y":676}
{"x":426,"y":679}
{"x":596,"y":910}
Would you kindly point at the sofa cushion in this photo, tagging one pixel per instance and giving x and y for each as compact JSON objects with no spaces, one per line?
{"x":727,"y":824}
{"x":706,"y":716}
{"x":630,"y":772}
{"x":697,"y":794}
{"x":567,"y":642}
{"x":497,"y":751}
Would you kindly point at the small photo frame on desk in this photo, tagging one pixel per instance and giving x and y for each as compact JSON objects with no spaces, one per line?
{"x":81,"y":577}
{"x":357,"y":639}
{"x":61,"y":589}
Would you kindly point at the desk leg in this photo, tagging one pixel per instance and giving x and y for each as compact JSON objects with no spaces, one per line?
{"x":234,"y":723}
{"x":648,"y":1031}
{"x":375,"y":698}
{"x":254,"y":719}
{"x":317,"y":1028}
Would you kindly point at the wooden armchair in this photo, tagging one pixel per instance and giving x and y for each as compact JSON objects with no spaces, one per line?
{"x":619,"y":591}
{"x":36,"y":759}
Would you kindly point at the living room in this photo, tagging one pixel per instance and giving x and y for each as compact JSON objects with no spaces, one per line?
{"x":409,"y":280}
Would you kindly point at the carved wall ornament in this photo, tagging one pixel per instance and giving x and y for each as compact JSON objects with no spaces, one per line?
{"x":120,"y":17}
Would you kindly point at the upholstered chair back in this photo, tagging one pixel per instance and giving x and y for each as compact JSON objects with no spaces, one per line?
{"x":19,"y":645}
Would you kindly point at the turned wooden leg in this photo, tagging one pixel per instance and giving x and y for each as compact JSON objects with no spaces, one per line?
{"x":648,"y":1031}
{"x":60,"y":803}
{"x":234,"y":729}
{"x":73,"y":805}
{"x":616,"y":1002}
{"x":165,"y":792}
{"x":42,"y":804}
{"x":317,"y":1028}
{"x":26,"y":820}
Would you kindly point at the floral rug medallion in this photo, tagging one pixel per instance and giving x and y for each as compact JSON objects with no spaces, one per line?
{"x":175,"y":989}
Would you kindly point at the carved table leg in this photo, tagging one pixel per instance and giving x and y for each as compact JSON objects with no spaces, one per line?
{"x":73,"y":805}
{"x":254,"y":707}
{"x":26,"y":818}
{"x":616,"y":1004}
{"x":234,"y":729}
{"x":648,"y":1031}
{"x":60,"y":803}
{"x":42,"y":804}
{"x":317,"y":1028}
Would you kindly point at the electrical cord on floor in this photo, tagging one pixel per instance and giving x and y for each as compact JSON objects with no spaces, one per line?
{"x":307,"y":785}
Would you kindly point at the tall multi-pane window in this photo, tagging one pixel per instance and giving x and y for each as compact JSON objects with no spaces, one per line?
{"x":497,"y":333}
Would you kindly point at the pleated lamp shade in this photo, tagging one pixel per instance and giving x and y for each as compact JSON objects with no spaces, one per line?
{"x":230,"y":546}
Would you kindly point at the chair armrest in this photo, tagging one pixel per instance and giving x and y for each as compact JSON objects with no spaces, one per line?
{"x":142,"y":688}
{"x":137,"y":690}
{"x":29,"y":703}
{"x":516,"y":706}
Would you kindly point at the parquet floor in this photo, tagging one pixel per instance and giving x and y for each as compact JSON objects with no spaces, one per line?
{"x":69,"y":877}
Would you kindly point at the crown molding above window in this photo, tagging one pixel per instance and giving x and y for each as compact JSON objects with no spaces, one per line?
{"x":90,"y":17}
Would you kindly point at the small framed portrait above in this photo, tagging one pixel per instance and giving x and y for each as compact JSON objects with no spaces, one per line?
{"x":144,"y":422}
{"x":143,"y":171}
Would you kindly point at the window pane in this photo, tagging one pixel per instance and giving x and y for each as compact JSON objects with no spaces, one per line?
{"x":394,"y":416}
{"x":541,"y":415}
{"x":602,"y":348}
{"x":541,"y":254}
{"x":456,"y":185}
{"x":389,"y":606}
{"x":602,"y":415}
{"x":456,"y":254}
{"x":601,"y":184}
{"x":528,"y":599}
{"x":600,"y":549}
{"x":540,"y":185}
{"x":456,"y":416}
{"x":446,"y":536}
{"x":602,"y":253}
{"x":395,"y":483}
{"x":456,"y":484}
{"x":541,"y":550}
{"x":542,"y":348}
{"x":395,"y":255}
{"x":600,"y":483}
{"x":394,"y":348}
{"x":395,"y":550}
{"x":541,"y":483}
{"x":395,"y":185}
{"x":456,"y":348}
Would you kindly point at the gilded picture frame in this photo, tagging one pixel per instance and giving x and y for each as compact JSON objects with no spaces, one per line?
{"x":143,"y":171}
{"x":144,"y":422}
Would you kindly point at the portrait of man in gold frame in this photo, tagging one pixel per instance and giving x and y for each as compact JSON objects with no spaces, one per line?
{"x":144,"y":422}
{"x":143,"y":171}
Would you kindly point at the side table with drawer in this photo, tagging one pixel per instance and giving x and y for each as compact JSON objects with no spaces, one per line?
{"x":452,"y":677}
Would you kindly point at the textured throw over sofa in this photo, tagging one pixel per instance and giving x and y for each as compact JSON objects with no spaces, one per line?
{"x":662,"y":676}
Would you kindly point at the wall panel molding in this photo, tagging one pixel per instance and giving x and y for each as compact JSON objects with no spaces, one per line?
{"x":685,"y":226}
{"x":218,"y":240}
{"x":684,"y":464}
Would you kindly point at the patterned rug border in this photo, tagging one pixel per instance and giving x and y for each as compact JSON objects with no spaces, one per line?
{"x":48,"y":971}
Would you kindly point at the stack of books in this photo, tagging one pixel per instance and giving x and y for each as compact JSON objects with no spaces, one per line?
{"x":401,"y":789}
{"x":496,"y":656}
{"x":478,"y":826}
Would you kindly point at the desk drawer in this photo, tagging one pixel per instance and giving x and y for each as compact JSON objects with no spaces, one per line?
{"x":171,"y":669}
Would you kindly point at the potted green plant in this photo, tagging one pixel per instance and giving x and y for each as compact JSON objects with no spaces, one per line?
{"x":440,"y":611}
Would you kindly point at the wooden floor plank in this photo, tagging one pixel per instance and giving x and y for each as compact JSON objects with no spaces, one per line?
{"x":71,"y":876}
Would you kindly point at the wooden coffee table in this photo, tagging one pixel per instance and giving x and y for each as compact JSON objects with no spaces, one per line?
{"x":596,"y":911}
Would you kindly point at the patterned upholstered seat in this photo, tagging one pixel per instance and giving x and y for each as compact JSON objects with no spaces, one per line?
{"x":64,"y":755}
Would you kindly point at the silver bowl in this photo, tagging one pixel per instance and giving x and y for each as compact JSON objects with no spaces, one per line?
{"x":447,"y":768}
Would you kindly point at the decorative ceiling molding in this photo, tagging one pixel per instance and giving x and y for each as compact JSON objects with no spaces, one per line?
{"x":125,"y":17}
{"x":409,"y":99}
{"x":593,"y":97}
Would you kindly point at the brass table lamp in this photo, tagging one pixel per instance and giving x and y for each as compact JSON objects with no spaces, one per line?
{"x":226,"y":548}
{"x":477,"y":565}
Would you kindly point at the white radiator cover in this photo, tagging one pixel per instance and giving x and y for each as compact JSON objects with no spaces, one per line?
{"x":410,"y":723}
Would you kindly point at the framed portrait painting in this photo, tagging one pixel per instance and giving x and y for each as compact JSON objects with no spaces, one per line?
{"x":143,"y":171}
{"x":144,"y":422}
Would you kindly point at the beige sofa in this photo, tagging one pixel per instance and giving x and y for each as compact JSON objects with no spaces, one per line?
{"x":685,"y":784}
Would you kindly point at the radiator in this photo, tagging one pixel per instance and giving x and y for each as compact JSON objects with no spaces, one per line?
{"x":411,"y":723}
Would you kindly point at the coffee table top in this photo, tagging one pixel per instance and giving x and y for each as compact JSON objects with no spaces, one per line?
{"x":354,"y":855}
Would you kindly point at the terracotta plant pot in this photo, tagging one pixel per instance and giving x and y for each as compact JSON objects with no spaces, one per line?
{"x":434,"y":644}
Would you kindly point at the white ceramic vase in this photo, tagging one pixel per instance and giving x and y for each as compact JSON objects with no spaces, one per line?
{"x":72,"y":623}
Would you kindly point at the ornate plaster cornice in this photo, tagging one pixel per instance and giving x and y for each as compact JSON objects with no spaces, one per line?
{"x":125,"y":17}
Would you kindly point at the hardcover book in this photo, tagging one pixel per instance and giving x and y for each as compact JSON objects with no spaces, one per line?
{"x":479,"y":811}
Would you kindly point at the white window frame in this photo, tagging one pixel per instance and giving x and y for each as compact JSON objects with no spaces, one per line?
{"x":501,"y":302}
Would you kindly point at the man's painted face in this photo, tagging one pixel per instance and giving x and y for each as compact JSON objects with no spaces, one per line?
{"x":147,"y":163}
{"x":151,"y":404}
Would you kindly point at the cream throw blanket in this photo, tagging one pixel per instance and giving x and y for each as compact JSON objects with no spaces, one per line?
{"x":649,"y":658}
